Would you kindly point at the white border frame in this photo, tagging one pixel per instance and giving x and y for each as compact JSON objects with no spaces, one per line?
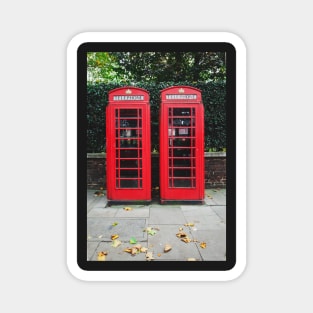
{"x":73,"y":267}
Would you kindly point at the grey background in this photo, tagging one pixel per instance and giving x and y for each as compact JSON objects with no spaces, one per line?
{"x":34,"y":36}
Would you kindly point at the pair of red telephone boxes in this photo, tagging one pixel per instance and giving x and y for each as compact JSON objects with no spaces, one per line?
{"x":181,"y":145}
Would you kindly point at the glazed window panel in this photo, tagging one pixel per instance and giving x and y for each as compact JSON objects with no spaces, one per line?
{"x":128,"y":143}
{"x":181,"y":147}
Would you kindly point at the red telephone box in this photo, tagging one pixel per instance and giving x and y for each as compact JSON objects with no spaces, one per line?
{"x":181,"y":144}
{"x":128,"y":145}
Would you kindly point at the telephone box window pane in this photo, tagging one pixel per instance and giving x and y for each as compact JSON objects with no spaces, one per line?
{"x":182,"y":173}
{"x":180,"y":162}
{"x":178,"y":142}
{"x":182,"y":183}
{"x":129,"y":183}
{"x":129,"y":173}
{"x":125,"y":153}
{"x":124,"y":133}
{"x":128,"y":143}
{"x":128,"y":113}
{"x":128,"y":123}
{"x":181,"y":111}
{"x":129,"y":164}
{"x":181,"y":152}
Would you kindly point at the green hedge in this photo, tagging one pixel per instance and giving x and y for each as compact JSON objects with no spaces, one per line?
{"x":214,"y":100}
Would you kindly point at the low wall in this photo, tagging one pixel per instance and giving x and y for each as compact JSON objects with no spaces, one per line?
{"x":215,"y":170}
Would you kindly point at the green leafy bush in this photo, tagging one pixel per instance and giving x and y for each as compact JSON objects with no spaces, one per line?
{"x":214,"y":100}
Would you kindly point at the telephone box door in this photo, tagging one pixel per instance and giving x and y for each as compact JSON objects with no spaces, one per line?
{"x":181,"y":144}
{"x":128,"y":145}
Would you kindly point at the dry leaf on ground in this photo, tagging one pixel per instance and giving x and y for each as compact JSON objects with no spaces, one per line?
{"x":191,"y":259}
{"x":190,"y":224}
{"x":151,"y":231}
{"x":186,"y":239}
{"x":134,"y":250}
{"x":181,"y":234}
{"x":116,"y":243}
{"x":203,"y":245}
{"x":102,"y":255}
{"x":149,"y":256}
{"x":167,"y":248}
{"x":143,"y":249}
{"x":115,"y":236}
{"x":127,"y":208}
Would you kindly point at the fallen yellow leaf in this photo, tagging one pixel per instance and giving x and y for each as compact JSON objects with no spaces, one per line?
{"x":137,"y":246}
{"x":116,"y":243}
{"x":115,"y":236}
{"x":102,"y":255}
{"x":191,"y":259}
{"x":203,"y":245}
{"x":143,"y":249}
{"x":149,"y":256}
{"x":167,"y":248}
{"x":186,"y":239}
{"x":134,"y":250}
{"x":190,"y":224}
{"x":127,"y":208}
{"x":181,"y":234}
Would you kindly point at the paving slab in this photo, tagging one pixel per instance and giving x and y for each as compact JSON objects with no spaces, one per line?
{"x":220,"y":210}
{"x":192,"y":210}
{"x":118,"y":253}
{"x":207,"y":222}
{"x":215,"y":197}
{"x":95,"y":202}
{"x":215,"y":244}
{"x":137,"y":211}
{"x":166,"y":215}
{"x":101,"y":228}
{"x":180,"y":250}
{"x":91,"y":248}
{"x":102,"y":212}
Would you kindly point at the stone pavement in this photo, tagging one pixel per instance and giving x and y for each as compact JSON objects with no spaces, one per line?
{"x":152,"y":226}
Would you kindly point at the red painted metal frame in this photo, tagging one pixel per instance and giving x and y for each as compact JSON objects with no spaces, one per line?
{"x":181,"y":144}
{"x":128,"y":145}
